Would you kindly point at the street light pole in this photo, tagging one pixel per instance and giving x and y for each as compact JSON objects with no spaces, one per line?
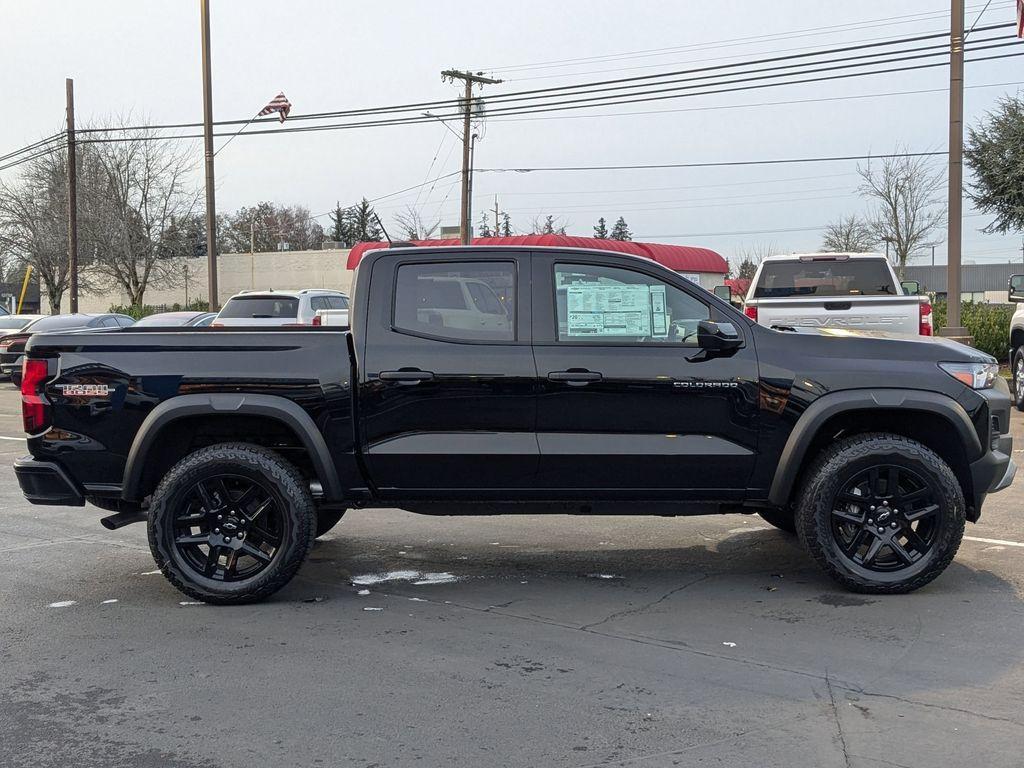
{"x":211,"y":206}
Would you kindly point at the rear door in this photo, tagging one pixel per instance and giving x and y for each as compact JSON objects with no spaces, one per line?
{"x":629,"y":407}
{"x":446,"y":392}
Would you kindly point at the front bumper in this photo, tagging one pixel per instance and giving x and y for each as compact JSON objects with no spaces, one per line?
{"x":44,"y":482}
{"x":994,"y":471}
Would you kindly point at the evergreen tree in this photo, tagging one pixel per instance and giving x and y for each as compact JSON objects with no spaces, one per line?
{"x":601,"y":230}
{"x":506,"y":225}
{"x":621,"y":231}
{"x":995,"y":152}
{"x":339,"y":224}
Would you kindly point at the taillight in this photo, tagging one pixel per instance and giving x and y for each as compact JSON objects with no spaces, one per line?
{"x":35,"y":414}
{"x":751,"y":312}
{"x":317,"y":320}
{"x":924,"y":315}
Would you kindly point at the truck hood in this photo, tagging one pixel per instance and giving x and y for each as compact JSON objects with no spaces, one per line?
{"x":896,"y":346}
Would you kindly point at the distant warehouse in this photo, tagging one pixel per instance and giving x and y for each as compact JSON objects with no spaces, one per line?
{"x":979,"y":282}
{"x":699,"y":265}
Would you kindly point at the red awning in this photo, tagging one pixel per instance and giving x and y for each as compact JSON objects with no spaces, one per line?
{"x":680,"y":258}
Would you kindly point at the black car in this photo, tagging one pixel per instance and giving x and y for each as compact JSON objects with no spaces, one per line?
{"x":12,"y":345}
{"x":517,"y":380}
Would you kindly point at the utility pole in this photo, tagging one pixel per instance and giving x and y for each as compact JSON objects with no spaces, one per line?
{"x":211,"y":206}
{"x":69,"y":87}
{"x":496,"y":233}
{"x":469,"y":79}
{"x":956,"y":147}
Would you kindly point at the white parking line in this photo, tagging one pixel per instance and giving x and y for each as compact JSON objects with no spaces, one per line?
{"x":995,"y":541}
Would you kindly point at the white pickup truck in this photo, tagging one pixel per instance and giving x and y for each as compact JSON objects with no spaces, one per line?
{"x":836,"y":290}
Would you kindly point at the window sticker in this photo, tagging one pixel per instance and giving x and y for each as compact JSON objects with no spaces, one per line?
{"x":659,"y":312}
{"x":612,"y":310}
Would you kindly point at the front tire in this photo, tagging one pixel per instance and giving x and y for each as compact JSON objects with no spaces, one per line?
{"x":231,"y":523}
{"x":1018,"y":379}
{"x":881,"y":514}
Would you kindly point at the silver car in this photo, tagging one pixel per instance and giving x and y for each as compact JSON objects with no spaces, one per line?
{"x":270,"y":308}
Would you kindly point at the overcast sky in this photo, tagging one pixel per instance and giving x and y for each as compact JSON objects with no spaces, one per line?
{"x":142,"y":57}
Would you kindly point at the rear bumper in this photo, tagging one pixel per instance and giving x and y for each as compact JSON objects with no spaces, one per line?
{"x":44,"y":482}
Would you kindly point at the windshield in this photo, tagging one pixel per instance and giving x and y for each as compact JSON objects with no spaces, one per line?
{"x":261,"y":307}
{"x":167,"y":319}
{"x":9,"y":322}
{"x":855,"y":277}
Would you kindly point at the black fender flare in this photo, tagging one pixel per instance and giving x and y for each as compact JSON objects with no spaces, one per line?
{"x":283,"y":410}
{"x":827,"y":406}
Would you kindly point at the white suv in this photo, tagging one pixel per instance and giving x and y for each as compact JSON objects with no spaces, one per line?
{"x":270,"y":308}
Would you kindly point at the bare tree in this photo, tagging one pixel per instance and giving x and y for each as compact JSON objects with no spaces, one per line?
{"x":262,"y":226}
{"x":33,"y":220}
{"x":132,"y":216}
{"x":548,"y":225}
{"x":907,"y":204}
{"x":412,"y":227}
{"x":850,"y":234}
{"x":750,"y":256}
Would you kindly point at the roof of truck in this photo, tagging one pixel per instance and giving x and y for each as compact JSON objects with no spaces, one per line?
{"x":679,"y":258}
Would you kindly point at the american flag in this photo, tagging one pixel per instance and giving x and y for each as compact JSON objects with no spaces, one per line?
{"x":279,"y":104}
{"x":1020,"y":18}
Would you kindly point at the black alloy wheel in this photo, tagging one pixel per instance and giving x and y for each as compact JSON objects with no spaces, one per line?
{"x":231,"y":523}
{"x":229,"y":527}
{"x":885,"y":518}
{"x":880,"y":513}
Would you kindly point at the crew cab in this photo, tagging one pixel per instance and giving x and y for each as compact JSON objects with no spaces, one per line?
{"x":836,"y":290}
{"x":582,"y":382}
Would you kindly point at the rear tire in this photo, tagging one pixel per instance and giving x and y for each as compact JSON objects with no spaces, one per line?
{"x":231,"y":523}
{"x":783,"y":519}
{"x":880,"y":513}
{"x":1018,"y":379}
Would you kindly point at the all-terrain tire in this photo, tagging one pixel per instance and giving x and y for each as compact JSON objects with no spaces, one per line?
{"x":783,"y":519}
{"x":834,"y":466}
{"x":326,"y":519}
{"x":285,"y":485}
{"x":1017,"y":385}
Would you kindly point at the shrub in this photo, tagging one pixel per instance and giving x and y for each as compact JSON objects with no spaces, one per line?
{"x":989,"y":324}
{"x":196,"y":305}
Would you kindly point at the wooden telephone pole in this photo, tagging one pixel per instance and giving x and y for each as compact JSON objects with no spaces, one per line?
{"x":469,"y":79}
{"x":69,"y":87}
{"x":956,"y":171}
{"x":211,"y":205}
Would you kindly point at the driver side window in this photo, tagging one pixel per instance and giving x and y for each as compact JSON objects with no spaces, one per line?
{"x":597,"y":304}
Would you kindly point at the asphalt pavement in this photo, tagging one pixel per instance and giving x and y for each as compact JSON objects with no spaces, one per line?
{"x":505,"y":641}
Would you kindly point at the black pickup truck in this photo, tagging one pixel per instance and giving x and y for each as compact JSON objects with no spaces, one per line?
{"x":501,"y":380}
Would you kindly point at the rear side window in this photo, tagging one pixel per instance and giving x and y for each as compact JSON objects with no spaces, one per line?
{"x":461,"y":301}
{"x":261,"y":307}
{"x":854,"y":277}
{"x":336,"y":302}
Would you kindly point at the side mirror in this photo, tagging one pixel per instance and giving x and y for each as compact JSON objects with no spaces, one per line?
{"x":911,"y":287}
{"x":724,"y":292}
{"x":717,"y":337}
{"x":1016,"y":292}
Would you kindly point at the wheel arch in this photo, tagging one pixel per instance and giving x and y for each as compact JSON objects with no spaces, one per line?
{"x":933,"y":419}
{"x":285,"y":413}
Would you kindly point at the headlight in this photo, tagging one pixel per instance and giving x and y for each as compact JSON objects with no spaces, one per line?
{"x":974,"y":375}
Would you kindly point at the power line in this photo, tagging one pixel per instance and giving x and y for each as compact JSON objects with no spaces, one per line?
{"x":29,"y":147}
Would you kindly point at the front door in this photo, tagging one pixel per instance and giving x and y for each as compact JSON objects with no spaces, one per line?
{"x":447,"y":402}
{"x":629,"y":406}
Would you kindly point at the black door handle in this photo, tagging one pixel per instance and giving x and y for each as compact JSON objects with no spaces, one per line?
{"x":575,"y":377}
{"x":406,"y":376}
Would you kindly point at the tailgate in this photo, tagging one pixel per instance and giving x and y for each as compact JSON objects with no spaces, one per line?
{"x":894,"y":314}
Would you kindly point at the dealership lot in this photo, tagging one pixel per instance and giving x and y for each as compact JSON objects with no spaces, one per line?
{"x":506,"y":641}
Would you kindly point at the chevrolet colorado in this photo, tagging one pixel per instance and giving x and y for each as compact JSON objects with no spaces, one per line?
{"x":570,"y":381}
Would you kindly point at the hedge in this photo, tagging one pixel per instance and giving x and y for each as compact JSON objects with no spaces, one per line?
{"x":196,"y":305}
{"x":989,"y":324}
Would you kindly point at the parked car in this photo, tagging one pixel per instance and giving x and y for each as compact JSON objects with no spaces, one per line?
{"x":12,"y":345}
{"x":836,"y":290}
{"x":270,"y":308}
{"x":11,"y":323}
{"x":1016,"y":296}
{"x":614,"y":386}
{"x":176,"y":320}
